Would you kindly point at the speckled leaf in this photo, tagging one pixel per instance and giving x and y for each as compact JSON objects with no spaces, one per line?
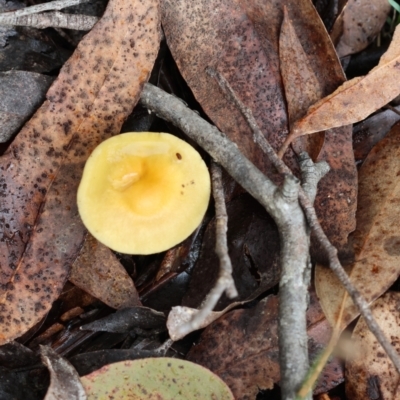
{"x":41,"y":231}
{"x":155,"y":378}
{"x":64,"y":380}
{"x":240,"y":39}
{"x":302,"y":88}
{"x":376,"y":240}
{"x":98,"y":272}
{"x":242,"y":348}
{"x":370,"y":374}
{"x":360,"y":22}
{"x":357,"y":98}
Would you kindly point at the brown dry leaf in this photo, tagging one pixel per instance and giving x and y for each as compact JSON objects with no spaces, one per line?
{"x":360,"y":22}
{"x":370,"y":374}
{"x":377,"y":239}
{"x":357,"y":98}
{"x":41,"y":232}
{"x":240,"y":39}
{"x":241,"y":347}
{"x":98,"y":272}
{"x":302,"y":88}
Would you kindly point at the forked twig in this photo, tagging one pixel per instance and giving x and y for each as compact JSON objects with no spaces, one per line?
{"x":225,"y":282}
{"x":314,"y":224}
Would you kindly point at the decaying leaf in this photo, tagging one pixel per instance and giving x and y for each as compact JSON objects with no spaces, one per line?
{"x":361,"y":21}
{"x":376,"y":240}
{"x":370,"y":374}
{"x":302,"y":88}
{"x":64,"y":380}
{"x":155,"y":378}
{"x":96,"y":90}
{"x":242,"y":348}
{"x":357,"y":98}
{"x":240,"y":40}
{"x":98,"y":272}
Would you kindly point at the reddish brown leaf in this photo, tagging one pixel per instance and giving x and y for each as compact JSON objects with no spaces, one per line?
{"x":357,"y":98}
{"x":370,"y":374}
{"x":240,"y":40}
{"x":95,"y":91}
{"x":376,"y":239}
{"x":360,"y":22}
{"x":98,"y":272}
{"x":242,"y":348}
{"x":302,"y":88}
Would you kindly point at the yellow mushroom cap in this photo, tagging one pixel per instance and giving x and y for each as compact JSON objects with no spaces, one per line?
{"x":143,"y":192}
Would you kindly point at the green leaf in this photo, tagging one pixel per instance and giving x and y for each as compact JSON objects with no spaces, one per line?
{"x":150,"y":378}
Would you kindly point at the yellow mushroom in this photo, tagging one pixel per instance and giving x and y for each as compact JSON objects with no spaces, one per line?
{"x":143,"y":193}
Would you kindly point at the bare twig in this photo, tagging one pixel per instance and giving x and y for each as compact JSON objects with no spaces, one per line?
{"x":54,"y":19}
{"x":221,"y":246}
{"x":225,"y":282}
{"x":50,"y":6}
{"x":281,"y":203}
{"x":315,"y":226}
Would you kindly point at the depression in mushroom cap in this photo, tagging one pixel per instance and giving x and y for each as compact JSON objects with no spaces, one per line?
{"x":143,"y":192}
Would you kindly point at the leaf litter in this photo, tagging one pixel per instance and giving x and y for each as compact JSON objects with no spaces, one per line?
{"x":41,"y":230}
{"x":376,"y":240}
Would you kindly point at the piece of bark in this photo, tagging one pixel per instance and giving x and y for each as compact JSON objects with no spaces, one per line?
{"x":41,"y":232}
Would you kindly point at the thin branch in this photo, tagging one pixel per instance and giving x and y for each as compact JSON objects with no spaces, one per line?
{"x":221,"y":246}
{"x":54,"y":19}
{"x":225,"y":282}
{"x":315,"y":226}
{"x":281,"y":203}
{"x":50,"y":6}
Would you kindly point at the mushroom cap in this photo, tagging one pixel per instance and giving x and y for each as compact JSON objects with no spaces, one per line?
{"x":143,"y":192}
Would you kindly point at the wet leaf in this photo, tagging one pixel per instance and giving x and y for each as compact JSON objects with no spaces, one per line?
{"x":127,"y":319}
{"x":241,"y":41}
{"x":357,"y":98}
{"x":98,"y":272}
{"x":242,"y":348}
{"x":361,"y":21}
{"x":21,"y":92}
{"x":161,"y":378}
{"x":64,"y":380}
{"x":370,"y":374}
{"x":41,"y":231}
{"x":376,"y":240}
